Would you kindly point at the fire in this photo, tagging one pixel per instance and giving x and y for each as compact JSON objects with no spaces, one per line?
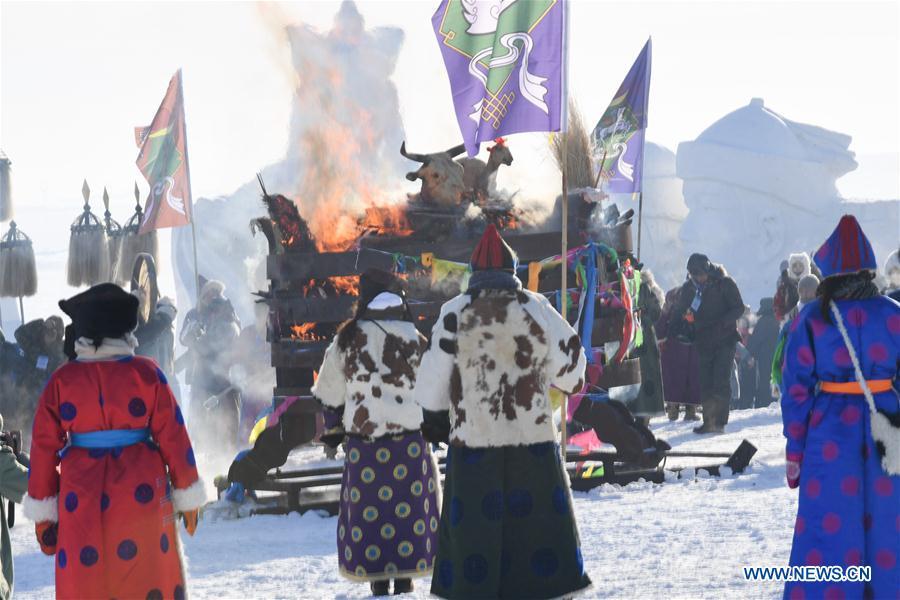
{"x":347,"y":285}
{"x":386,"y":220}
{"x":304,"y":332}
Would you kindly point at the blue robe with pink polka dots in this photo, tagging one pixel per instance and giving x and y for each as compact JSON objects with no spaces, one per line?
{"x":116,"y":507}
{"x":849,"y":508}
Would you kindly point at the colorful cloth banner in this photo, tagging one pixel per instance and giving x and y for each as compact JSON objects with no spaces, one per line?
{"x":506,"y":63}
{"x":164,"y":162}
{"x":618,"y":138}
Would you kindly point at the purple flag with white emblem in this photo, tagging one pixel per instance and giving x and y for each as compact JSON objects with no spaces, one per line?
{"x":506,"y":63}
{"x":618,"y":138}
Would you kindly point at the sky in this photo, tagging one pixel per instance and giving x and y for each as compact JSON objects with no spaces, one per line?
{"x":76,"y":77}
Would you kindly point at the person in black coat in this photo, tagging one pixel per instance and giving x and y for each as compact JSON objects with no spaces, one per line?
{"x":711,"y":301}
{"x":761,"y":345}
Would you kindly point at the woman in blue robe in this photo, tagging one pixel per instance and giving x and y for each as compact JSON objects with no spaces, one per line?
{"x":849,"y":503}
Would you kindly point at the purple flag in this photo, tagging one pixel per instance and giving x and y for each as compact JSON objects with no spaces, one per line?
{"x":618,"y":138}
{"x":506,"y":63}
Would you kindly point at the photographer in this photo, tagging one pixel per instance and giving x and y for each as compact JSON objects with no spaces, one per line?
{"x":13,"y":483}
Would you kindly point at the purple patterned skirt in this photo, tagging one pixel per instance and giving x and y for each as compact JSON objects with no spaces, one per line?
{"x":387,"y":526}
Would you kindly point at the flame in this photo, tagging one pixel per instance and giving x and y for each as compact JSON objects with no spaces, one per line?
{"x":347,"y":285}
{"x":304,"y":332}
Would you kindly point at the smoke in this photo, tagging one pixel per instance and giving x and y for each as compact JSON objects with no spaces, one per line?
{"x":342,"y":154}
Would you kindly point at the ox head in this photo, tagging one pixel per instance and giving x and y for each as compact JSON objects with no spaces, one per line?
{"x":442,"y":177}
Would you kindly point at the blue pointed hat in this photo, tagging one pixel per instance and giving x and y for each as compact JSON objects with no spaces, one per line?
{"x":847,"y":250}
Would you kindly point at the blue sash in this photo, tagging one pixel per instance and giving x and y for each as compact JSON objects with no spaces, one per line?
{"x":111,"y":438}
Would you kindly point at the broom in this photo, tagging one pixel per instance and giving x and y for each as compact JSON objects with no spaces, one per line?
{"x":114,"y":239}
{"x":134,"y":242}
{"x":6,"y":208}
{"x":18,"y":274}
{"x":88,"y":249}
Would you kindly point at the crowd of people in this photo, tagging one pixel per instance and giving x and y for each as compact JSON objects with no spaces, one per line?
{"x":501,"y":524}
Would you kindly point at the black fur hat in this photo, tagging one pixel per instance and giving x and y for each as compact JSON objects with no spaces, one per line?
{"x":375,"y":281}
{"x":103,"y":311}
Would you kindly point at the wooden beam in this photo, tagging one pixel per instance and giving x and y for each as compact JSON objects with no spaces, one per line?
{"x":303,"y":355}
{"x":301,"y":266}
{"x":529,"y":246}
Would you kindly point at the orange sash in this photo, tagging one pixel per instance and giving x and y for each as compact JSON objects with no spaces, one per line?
{"x":853,"y":387}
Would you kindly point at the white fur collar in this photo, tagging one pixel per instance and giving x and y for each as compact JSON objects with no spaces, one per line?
{"x":109,"y":349}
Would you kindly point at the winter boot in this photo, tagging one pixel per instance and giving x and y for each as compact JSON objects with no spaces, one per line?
{"x":403,"y":586}
{"x":380,"y":587}
{"x":672,"y":412}
{"x":690,"y":413}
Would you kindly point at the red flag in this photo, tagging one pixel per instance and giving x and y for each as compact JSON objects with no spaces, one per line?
{"x":164,"y":162}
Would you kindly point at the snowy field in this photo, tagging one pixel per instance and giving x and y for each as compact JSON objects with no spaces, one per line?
{"x":683,"y":539}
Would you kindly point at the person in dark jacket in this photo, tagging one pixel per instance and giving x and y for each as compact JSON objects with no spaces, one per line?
{"x":762,"y":347}
{"x":710,"y":299}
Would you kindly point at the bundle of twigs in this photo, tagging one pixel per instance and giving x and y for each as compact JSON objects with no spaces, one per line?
{"x":579,"y":159}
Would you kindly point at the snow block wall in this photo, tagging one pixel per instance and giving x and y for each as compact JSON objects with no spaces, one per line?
{"x":758,"y":187}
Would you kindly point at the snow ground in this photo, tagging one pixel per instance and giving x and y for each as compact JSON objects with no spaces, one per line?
{"x":684,"y":539}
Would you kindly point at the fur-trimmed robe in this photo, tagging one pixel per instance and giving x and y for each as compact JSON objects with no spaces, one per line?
{"x":849,"y":507}
{"x":375,"y":376}
{"x":116,"y":507}
{"x":491,"y":362}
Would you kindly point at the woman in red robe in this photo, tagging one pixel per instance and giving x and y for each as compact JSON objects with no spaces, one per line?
{"x":111,"y":462}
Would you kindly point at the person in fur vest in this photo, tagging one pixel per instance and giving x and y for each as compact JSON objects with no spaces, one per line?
{"x":507,"y":528}
{"x":787,"y":294}
{"x":842,"y":423}
{"x":389,"y":510}
{"x":111,"y":462}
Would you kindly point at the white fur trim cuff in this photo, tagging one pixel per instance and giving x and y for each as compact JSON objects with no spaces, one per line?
{"x":189,"y":498}
{"x":43,"y":510}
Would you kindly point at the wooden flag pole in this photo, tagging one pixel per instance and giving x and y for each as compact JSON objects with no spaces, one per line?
{"x":189,"y":206}
{"x":564,"y":407}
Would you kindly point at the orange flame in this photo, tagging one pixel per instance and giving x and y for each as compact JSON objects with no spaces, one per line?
{"x":304,"y":332}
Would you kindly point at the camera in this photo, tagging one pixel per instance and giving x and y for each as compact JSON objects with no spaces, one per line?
{"x":13,"y":439}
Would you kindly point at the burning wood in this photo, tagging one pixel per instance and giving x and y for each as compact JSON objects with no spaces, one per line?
{"x":305,"y":332}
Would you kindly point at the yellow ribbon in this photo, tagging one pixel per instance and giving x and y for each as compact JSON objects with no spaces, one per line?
{"x":534,"y":274}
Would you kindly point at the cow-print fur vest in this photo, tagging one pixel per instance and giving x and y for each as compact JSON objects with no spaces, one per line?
{"x":373,"y":378}
{"x":491,"y":362}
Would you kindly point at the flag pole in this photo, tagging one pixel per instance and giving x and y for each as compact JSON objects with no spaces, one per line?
{"x":564,"y":407}
{"x":187,"y":168}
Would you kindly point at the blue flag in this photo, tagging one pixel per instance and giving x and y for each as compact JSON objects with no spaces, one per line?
{"x":618,"y":138}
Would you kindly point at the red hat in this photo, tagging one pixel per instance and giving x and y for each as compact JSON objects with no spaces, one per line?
{"x":492,"y":253}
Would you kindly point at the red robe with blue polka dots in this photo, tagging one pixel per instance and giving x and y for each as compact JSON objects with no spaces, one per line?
{"x":117,"y":536}
{"x":849,"y":507}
